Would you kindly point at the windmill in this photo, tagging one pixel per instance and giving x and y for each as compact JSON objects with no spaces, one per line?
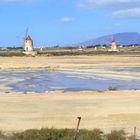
{"x":28,"y":43}
{"x":114,"y":47}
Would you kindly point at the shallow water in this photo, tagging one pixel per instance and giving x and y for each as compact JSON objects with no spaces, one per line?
{"x":69,"y":79}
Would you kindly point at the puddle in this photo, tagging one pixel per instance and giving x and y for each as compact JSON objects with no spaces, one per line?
{"x":136,"y":69}
{"x":69,"y":79}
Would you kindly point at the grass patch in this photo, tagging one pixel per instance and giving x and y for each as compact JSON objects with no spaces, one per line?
{"x":65,"y":134}
{"x":54,"y":134}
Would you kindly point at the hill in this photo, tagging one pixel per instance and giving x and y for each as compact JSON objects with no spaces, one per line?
{"x":127,"y":38}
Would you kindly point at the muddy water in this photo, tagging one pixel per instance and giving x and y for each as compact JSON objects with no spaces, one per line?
{"x":69,"y":79}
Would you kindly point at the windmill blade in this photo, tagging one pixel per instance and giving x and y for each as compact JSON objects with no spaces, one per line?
{"x":26,"y":34}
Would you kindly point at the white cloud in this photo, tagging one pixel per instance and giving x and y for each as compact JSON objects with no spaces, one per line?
{"x":95,"y":3}
{"x":68,"y":19}
{"x":117,"y":8}
{"x":127,"y":13}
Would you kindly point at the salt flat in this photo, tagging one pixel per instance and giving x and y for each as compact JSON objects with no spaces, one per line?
{"x":70,"y":61}
{"x":106,"y":110}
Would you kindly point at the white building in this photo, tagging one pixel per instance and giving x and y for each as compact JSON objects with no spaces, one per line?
{"x":28,"y":46}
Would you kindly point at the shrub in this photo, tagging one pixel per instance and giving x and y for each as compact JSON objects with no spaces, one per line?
{"x":116,"y":135}
{"x":54,"y":134}
{"x":112,"y":88}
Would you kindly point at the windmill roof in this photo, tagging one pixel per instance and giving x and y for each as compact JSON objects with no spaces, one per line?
{"x":113,"y":40}
{"x":28,"y":38}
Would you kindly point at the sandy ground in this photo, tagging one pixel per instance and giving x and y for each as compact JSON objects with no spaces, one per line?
{"x":69,"y":61}
{"x":105,"y":110}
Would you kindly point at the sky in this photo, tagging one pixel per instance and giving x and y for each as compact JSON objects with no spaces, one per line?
{"x":65,"y":22}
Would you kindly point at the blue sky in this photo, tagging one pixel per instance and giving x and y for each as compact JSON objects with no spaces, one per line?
{"x":63,"y":22}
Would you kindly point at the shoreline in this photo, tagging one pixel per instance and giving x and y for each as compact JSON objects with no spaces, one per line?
{"x":71,"y":92}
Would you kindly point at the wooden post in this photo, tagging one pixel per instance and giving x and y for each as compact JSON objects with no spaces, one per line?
{"x":135,"y":132}
{"x":77,"y":129}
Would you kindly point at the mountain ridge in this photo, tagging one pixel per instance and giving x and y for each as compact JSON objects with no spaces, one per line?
{"x":124,"y":38}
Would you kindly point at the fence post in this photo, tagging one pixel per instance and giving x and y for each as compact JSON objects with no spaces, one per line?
{"x":77,"y":128}
{"x":135,"y":132}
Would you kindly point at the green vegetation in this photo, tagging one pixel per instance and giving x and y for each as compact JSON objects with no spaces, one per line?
{"x":53,"y":134}
{"x":87,"y":51}
{"x":65,"y":134}
{"x":11,"y":53}
{"x":116,"y":135}
{"x":71,"y":51}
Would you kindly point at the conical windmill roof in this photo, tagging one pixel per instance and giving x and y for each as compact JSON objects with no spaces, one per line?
{"x":28,"y":38}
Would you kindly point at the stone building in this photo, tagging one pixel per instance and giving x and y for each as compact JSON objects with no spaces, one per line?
{"x":114,"y":46}
{"x":28,"y":46}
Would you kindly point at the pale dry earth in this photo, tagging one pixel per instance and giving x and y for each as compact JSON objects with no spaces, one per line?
{"x":70,"y":61}
{"x":106,"y":110}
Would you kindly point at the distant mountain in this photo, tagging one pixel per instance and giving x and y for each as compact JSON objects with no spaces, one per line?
{"x":126,"y":38}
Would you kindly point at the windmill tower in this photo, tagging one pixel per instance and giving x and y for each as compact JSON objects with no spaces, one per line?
{"x":28,"y":45}
{"x":114,"y":47}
